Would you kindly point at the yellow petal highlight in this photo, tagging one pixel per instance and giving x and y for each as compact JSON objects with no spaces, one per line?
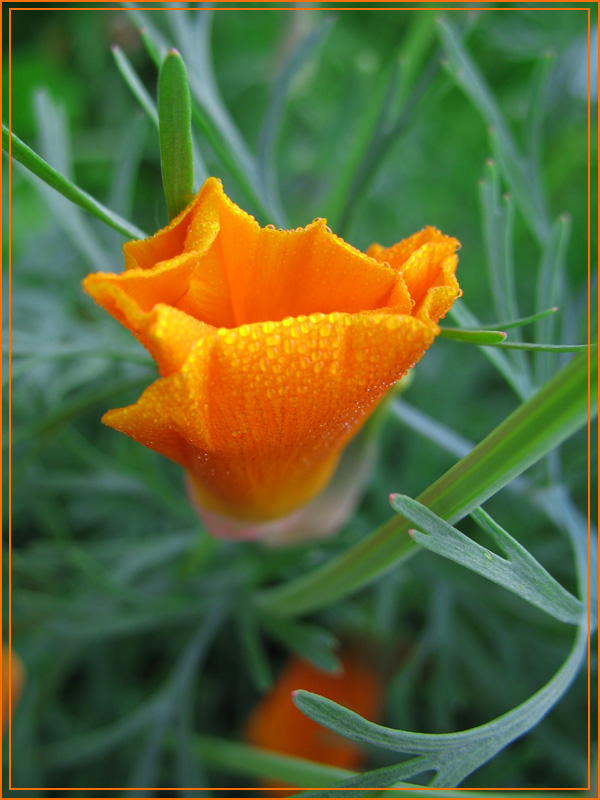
{"x":274,"y":346}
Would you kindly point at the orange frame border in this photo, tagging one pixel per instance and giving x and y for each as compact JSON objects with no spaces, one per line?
{"x":276,"y":5}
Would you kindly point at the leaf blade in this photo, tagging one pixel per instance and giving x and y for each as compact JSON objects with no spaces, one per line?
{"x":520,"y":573}
{"x":36,"y":164}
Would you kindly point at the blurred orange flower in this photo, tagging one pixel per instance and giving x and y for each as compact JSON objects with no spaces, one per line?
{"x":12,"y":684}
{"x":273,"y":346}
{"x":276,"y":723}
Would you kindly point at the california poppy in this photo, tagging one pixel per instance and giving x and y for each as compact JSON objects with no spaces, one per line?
{"x":276,"y":724}
{"x":273,"y":347}
{"x":12,"y":683}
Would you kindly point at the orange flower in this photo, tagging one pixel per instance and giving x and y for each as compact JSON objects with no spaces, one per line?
{"x":11,"y":690}
{"x":273,"y":346}
{"x":276,"y":723}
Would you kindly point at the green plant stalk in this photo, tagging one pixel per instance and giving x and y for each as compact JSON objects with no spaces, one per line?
{"x":175,"y":131}
{"x":536,"y":427}
{"x":36,"y":164}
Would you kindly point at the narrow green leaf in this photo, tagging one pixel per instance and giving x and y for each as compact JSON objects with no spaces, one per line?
{"x":516,"y":172}
{"x":155,"y":51}
{"x":498,"y":223}
{"x":55,"y":147}
{"x":273,"y":118}
{"x":35,"y":164}
{"x":132,"y":80}
{"x":175,"y":121}
{"x":540,"y":85}
{"x":311,"y":642}
{"x":154,"y":42}
{"x":466,"y":319}
{"x":91,"y":745}
{"x":522,"y":321}
{"x":394,"y":113}
{"x":469,"y":78}
{"x":127,"y":165}
{"x":254,"y":655}
{"x":497,"y":218}
{"x":534,"y":429}
{"x":431,"y":429}
{"x":415,"y":48}
{"x":520,"y":573}
{"x":550,"y":288}
{"x":542,"y":348}
{"x":48,"y":424}
{"x":482,"y":337}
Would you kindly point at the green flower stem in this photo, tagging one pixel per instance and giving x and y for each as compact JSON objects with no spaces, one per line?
{"x":35,"y":164}
{"x":537,"y":426}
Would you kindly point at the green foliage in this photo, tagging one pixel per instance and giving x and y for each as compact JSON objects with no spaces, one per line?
{"x":175,"y":131}
{"x":147,"y":644}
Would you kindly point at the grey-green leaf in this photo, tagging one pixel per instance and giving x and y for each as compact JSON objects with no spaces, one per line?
{"x":452,"y":755}
{"x":520,"y":573}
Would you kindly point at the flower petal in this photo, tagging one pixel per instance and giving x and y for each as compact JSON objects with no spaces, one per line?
{"x":267,"y":270}
{"x":427,"y":263}
{"x":168,"y":242}
{"x":258,"y":415}
{"x":166,"y":332}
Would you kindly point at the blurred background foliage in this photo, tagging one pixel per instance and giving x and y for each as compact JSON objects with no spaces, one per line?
{"x":120,"y":601}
